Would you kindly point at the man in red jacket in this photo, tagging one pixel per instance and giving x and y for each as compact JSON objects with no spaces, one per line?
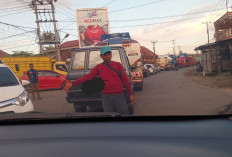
{"x":113,"y":99}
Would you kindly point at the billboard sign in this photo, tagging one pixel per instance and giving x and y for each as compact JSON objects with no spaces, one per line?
{"x":92,"y":24}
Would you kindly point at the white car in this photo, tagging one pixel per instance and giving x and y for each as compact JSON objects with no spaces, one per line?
{"x":13,"y":97}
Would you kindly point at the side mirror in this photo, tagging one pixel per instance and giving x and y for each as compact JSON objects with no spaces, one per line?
{"x":16,"y":67}
{"x":25,"y":82}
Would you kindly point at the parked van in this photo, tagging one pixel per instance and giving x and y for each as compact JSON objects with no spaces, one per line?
{"x":82,"y":62}
{"x":13,"y":97}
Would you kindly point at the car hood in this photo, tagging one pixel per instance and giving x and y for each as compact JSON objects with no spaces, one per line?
{"x":10,"y":92}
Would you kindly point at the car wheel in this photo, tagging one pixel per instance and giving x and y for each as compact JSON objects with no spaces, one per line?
{"x":131,"y":109}
{"x":79,"y":107}
{"x":140,"y":88}
{"x":63,"y":85}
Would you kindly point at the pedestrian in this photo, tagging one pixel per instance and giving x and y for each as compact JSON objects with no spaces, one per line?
{"x":176,"y":65}
{"x":34,"y":81}
{"x":113,"y":98}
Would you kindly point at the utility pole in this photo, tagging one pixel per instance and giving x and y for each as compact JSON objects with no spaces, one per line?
{"x":227,"y":5}
{"x":56,"y":33}
{"x":46,"y":7}
{"x":179,"y":48}
{"x":153,"y":42}
{"x":207,"y":25}
{"x":38,"y":28}
{"x":174,"y":48}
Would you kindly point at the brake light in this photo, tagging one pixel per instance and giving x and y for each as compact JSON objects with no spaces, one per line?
{"x":126,"y":43}
{"x":137,"y":78}
{"x":68,"y":81}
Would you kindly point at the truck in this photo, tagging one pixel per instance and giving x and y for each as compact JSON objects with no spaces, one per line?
{"x":186,"y":61}
{"x":133,"y":52}
{"x":173,"y":61}
{"x":21,"y":64}
{"x":165,"y":62}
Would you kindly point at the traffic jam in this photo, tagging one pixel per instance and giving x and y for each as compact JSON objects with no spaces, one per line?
{"x":57,"y":73}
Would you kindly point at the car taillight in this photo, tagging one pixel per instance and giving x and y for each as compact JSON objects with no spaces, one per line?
{"x":68,"y":81}
{"x":137,"y":78}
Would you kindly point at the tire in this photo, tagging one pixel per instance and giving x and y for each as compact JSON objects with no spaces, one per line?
{"x":79,"y":107}
{"x":131,"y":109}
{"x":140,"y":88}
{"x":63,"y":85}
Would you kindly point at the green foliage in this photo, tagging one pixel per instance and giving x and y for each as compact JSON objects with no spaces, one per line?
{"x":25,"y":54}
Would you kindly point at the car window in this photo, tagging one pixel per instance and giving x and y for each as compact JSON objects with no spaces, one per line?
{"x":7,"y":78}
{"x":94,"y":58}
{"x":40,"y":73}
{"x":79,"y":61}
{"x":61,"y":67}
{"x":49,"y":74}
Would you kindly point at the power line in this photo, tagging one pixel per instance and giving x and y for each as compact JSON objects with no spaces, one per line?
{"x":16,"y":26}
{"x":17,"y":47}
{"x":109,"y":3}
{"x":67,"y":8}
{"x":161,"y":22}
{"x":65,"y":11}
{"x":17,"y":34}
{"x":137,"y":6}
{"x":129,"y":8}
{"x":15,"y":13}
{"x":11,"y":2}
{"x":160,"y":17}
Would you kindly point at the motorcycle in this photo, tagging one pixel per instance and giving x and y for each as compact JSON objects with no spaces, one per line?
{"x":199,"y":67}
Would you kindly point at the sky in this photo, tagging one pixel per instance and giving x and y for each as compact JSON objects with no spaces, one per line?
{"x":149,"y":20}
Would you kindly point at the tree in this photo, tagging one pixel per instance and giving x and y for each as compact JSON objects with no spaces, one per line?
{"x":22,"y":53}
{"x":49,"y":47}
{"x":25,"y":54}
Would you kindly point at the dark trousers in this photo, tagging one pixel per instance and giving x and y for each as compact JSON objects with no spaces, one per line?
{"x":115,"y":103}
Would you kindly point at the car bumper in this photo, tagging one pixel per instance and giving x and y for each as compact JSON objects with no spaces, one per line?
{"x":137,"y":83}
{"x":28,"y":107}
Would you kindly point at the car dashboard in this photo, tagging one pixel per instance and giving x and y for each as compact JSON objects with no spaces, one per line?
{"x":118,"y":136}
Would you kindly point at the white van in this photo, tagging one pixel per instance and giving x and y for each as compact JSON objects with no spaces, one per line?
{"x":13,"y":97}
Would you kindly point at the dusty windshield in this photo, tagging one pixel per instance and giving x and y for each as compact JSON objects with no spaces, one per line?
{"x":161,"y":57}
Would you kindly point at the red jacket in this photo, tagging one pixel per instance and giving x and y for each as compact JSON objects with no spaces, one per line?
{"x":113,"y":84}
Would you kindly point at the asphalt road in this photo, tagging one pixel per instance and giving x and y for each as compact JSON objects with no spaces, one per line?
{"x":166,"y":93}
{"x":171,"y":93}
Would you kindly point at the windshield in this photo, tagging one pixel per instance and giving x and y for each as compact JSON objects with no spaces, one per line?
{"x":7,"y":78}
{"x":94,"y":58}
{"x":161,"y":57}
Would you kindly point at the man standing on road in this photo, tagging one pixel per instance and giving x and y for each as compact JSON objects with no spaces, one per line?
{"x":34,"y":81}
{"x":113,"y":99}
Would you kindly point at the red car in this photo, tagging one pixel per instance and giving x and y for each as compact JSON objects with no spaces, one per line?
{"x":48,"y":79}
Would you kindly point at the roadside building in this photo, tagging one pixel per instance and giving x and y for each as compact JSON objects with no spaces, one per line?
{"x":3,"y":54}
{"x":66,"y":50}
{"x":217,"y":56}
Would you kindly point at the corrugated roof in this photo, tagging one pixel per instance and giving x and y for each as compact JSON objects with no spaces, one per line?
{"x":69,"y":44}
{"x":3,"y":54}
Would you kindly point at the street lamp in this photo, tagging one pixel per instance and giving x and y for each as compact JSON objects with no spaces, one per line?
{"x":58,"y":49}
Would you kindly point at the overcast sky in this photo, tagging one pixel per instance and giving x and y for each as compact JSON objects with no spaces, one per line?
{"x":147,"y":20}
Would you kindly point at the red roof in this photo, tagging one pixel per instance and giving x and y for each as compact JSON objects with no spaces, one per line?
{"x":3,"y":54}
{"x":69,"y":44}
